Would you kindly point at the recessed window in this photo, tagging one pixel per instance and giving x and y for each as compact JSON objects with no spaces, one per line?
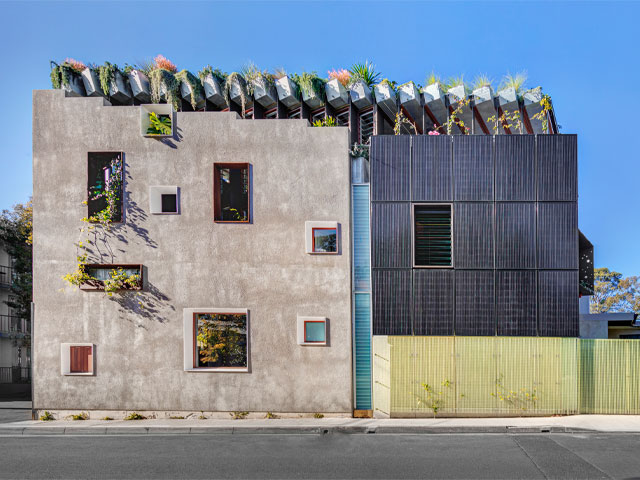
{"x":77,"y":359}
{"x":231,"y":192}
{"x":432,"y":236}
{"x":322,"y":237}
{"x":325,"y":240}
{"x":220,"y":340}
{"x":312,"y":330}
{"x":104,"y":187}
{"x":113,"y":277}
{"x":163,"y":199}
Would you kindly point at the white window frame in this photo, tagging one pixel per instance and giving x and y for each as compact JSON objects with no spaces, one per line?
{"x":310,"y":225}
{"x":65,"y":359}
{"x":188,"y":341}
{"x":155,"y":198}
{"x":301,"y":339}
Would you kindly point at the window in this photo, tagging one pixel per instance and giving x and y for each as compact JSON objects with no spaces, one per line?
{"x":365,"y":125}
{"x":342,"y":117}
{"x":312,"y":331}
{"x":104,"y":187}
{"x":322,"y":237}
{"x":156,"y":120}
{"x":77,"y":359}
{"x":432,"y":236}
{"x":271,"y":114}
{"x":163,"y":200}
{"x":231,"y":192}
{"x":318,"y":115}
{"x":216,"y":339}
{"x":295,"y":113}
{"x":119,"y":277}
{"x":324,"y":240}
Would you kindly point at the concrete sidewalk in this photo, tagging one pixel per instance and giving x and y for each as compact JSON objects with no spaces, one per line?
{"x":566,"y":424}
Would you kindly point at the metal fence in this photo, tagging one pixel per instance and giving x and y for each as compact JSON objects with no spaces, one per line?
{"x":14,"y":324}
{"x":504,"y":376}
{"x":15,"y":374}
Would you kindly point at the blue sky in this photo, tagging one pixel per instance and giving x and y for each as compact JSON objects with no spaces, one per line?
{"x":584,"y":54}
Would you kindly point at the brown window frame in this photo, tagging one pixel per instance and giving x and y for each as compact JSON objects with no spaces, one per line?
{"x":121,"y":219}
{"x":217,"y":208}
{"x":195,"y":341}
{"x":98,"y":285}
{"x":304,"y":338}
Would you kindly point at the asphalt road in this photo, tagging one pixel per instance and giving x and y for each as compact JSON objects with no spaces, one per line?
{"x":466,"y":456}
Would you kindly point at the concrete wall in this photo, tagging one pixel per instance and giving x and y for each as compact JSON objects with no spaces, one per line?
{"x":298,"y":174}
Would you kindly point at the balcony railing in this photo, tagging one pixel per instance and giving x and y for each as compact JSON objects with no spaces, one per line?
{"x":13,"y":324}
{"x":6,"y":276}
{"x":15,"y":374}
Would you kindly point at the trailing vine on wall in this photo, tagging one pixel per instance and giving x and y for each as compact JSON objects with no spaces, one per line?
{"x":237,"y":78}
{"x":61,"y":73}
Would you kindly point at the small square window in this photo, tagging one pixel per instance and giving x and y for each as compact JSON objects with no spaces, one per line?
{"x":322,"y":237}
{"x":312,"y":331}
{"x":77,"y":359}
{"x":163,"y":200}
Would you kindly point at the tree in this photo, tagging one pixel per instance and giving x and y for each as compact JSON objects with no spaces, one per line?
{"x":16,"y":236}
{"x":612,"y":293}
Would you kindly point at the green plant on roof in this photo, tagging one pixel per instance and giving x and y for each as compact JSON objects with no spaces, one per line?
{"x":279,"y":73}
{"x":516,"y":81}
{"x":392,"y":84}
{"x":194,"y":84}
{"x":311,"y":85}
{"x":163,"y":80}
{"x":364,"y":72}
{"x":107,"y":74}
{"x":453,"y":82}
{"x":432,"y":78}
{"x":61,"y":73}
{"x":236,"y":79}
{"x":481,"y":80}
{"x":218,"y":74}
{"x":542,"y":115}
{"x":159,"y":125}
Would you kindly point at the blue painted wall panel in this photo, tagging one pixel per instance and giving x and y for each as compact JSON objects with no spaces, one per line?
{"x":361,"y":239}
{"x":362,"y":340}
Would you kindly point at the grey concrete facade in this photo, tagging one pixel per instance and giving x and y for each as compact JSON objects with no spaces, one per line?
{"x":298,"y":174}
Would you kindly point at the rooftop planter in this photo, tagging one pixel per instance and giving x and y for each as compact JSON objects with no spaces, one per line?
{"x":435,"y":100}
{"x":386,"y":98}
{"x":114,"y":84}
{"x":91,"y":82}
{"x":67,"y":77}
{"x":360,"y":95}
{"x":409,"y":97}
{"x":264,"y":91}
{"x":509,"y":104}
{"x":360,"y":164}
{"x":457,"y":96}
{"x":337,"y":95}
{"x":483,"y":98}
{"x":531,"y":101}
{"x":312,"y":89}
{"x":213,"y":90}
{"x":287,"y":92}
{"x":157,"y":121}
{"x":235,"y":90}
{"x":140,"y":86}
{"x":191,"y":89}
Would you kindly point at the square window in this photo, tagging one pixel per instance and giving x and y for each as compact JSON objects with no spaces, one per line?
{"x":312,"y":331}
{"x":156,"y":120}
{"x":163,"y":199}
{"x":77,"y":359}
{"x":216,"y":339}
{"x":104,"y":185}
{"x":322,"y":237}
{"x":432,"y":236}
{"x":231,"y":185}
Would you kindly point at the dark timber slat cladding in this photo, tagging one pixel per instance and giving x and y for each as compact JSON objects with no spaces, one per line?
{"x":433,"y":302}
{"x":557,"y":167}
{"x":516,"y":303}
{"x":390,"y":164}
{"x":432,"y":173}
{"x":392,"y":302}
{"x":473,"y":167}
{"x":558,"y":300}
{"x":557,"y":235}
{"x":391,"y":235}
{"x":475,"y":297}
{"x":432,"y":231}
{"x":516,"y":235}
{"x":515,"y":167}
{"x":473,"y":235}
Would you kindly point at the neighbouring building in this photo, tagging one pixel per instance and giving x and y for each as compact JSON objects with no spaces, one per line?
{"x":220,"y":254}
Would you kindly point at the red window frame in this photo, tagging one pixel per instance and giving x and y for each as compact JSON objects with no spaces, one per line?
{"x":217,"y":208}
{"x":305,"y":331}
{"x":80,"y":359}
{"x":195,"y":340}
{"x":313,"y":240}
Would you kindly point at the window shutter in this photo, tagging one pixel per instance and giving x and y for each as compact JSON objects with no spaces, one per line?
{"x":432,"y":235}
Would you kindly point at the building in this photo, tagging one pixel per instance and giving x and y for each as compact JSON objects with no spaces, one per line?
{"x":248,"y":265}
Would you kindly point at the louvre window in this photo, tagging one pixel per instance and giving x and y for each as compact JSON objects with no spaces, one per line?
{"x":365,"y":125}
{"x":432,"y":236}
{"x":342,"y":117}
{"x":318,"y":114}
{"x":104,"y":178}
{"x":231,"y":192}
